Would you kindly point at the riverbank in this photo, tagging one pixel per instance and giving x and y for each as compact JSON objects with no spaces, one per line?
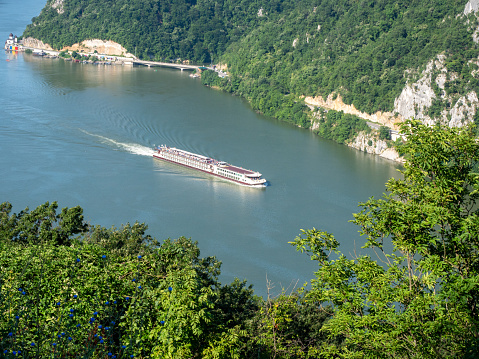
{"x":340,"y":125}
{"x":111,"y":53}
{"x":374,"y":141}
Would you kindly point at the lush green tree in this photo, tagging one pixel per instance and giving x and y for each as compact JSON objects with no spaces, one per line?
{"x":68,"y":288}
{"x":41,"y":225}
{"x":288,"y":326}
{"x":384,"y":133}
{"x":419,"y":299}
{"x":119,"y":291}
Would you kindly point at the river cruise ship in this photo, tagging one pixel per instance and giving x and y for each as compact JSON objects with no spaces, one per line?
{"x":211,"y":166}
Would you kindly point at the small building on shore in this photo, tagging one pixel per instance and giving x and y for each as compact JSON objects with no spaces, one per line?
{"x":12,"y":43}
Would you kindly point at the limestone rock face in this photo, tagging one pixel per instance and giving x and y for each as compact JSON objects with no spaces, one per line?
{"x":88,"y":46}
{"x":361,"y":142}
{"x":101,"y":46}
{"x":58,"y":6}
{"x":464,"y":110}
{"x":36,"y":44}
{"x":416,"y":98}
{"x":471,"y":6}
{"x":369,"y":143}
{"x":337,"y":104}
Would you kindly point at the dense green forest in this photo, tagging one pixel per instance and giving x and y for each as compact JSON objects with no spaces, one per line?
{"x":69,"y":289}
{"x":278,"y":51}
{"x":198,"y":31}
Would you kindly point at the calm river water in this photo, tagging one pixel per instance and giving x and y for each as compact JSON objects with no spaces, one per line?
{"x":82,"y":135}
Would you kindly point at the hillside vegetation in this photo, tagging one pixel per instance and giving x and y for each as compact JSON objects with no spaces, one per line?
{"x":278,"y":51}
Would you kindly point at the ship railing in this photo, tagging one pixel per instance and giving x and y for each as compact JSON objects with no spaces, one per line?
{"x":180,"y":154}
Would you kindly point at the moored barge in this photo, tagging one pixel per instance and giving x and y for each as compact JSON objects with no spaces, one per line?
{"x":211,"y":166}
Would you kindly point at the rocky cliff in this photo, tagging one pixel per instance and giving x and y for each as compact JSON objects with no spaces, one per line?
{"x":432,"y":94}
{"x":88,"y":46}
{"x":36,"y":44}
{"x":336,"y":103}
{"x":371,"y":144}
{"x":100,"y":46}
{"x":418,"y":97}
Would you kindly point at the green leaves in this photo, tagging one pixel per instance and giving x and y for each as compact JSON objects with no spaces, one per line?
{"x":42,"y":225}
{"x":109,"y":291}
{"x":421,"y":299}
{"x":318,"y":245}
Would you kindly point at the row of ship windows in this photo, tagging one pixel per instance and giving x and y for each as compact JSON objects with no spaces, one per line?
{"x":232,"y":177}
{"x":227,"y":174}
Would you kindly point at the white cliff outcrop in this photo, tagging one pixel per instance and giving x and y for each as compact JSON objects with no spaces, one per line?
{"x":463,"y":110}
{"x":337,"y":104}
{"x":101,"y":46}
{"x":88,"y":46}
{"x":36,"y":44}
{"x":416,"y":98}
{"x":471,"y":6}
{"x":58,"y":6}
{"x":368,"y":143}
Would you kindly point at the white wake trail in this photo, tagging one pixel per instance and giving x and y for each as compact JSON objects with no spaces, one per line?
{"x":133,"y":148}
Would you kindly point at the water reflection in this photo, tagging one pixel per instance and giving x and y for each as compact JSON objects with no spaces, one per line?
{"x":77,"y":76}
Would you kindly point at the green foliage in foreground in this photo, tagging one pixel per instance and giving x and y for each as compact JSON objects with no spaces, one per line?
{"x":72,"y":290}
{"x":420,"y":298}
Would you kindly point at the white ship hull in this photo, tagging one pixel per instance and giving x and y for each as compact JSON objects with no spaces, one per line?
{"x":211,"y":166}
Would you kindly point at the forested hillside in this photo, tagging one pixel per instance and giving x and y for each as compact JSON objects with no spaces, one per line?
{"x":195,"y":30}
{"x":360,"y":49}
{"x":278,"y":51}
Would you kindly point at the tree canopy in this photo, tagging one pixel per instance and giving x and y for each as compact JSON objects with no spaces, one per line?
{"x":68,"y":289}
{"x":418,"y":299}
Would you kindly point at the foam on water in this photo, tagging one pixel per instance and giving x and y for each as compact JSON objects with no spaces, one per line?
{"x":133,"y":148}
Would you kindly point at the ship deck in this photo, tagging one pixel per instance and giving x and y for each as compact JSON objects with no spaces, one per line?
{"x":205,"y":159}
{"x":238,"y":169}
